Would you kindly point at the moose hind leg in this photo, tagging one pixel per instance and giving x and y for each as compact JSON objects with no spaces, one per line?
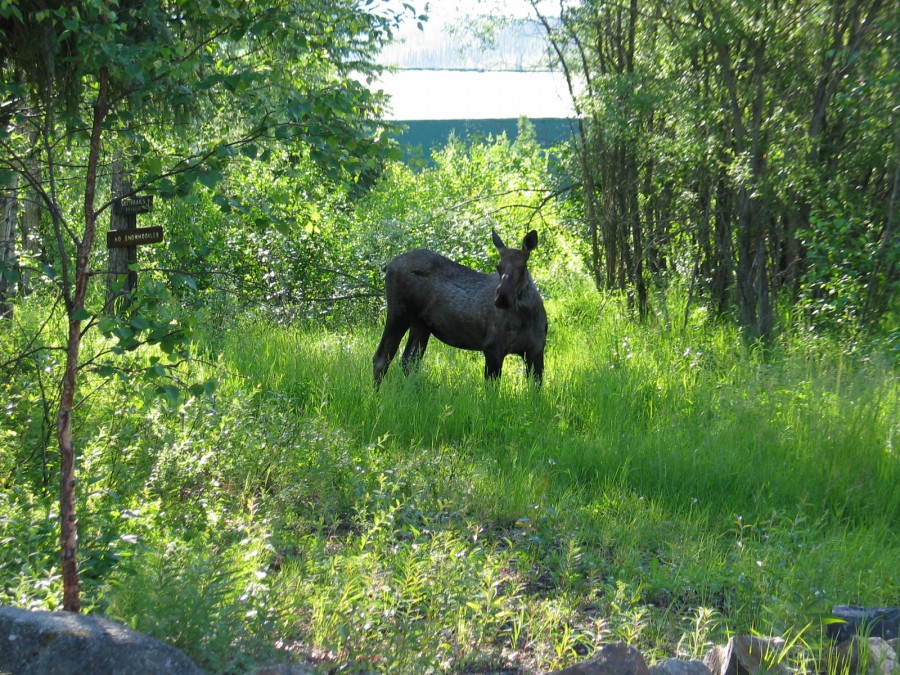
{"x":534,"y":366}
{"x":394,"y":329}
{"x":415,"y":346}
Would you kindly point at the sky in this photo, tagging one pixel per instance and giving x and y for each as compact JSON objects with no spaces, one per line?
{"x":448,"y":10}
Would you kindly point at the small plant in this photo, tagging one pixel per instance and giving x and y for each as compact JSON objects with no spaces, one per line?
{"x":696,"y":640}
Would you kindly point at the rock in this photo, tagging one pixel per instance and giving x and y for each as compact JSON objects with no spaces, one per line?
{"x":282,"y":669}
{"x":858,"y":656}
{"x":745,"y":655}
{"x":883,"y":622}
{"x":679,"y":667}
{"x":613,"y":659}
{"x":62,"y":643}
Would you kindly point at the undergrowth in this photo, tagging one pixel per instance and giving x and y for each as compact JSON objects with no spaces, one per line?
{"x":668,"y":486}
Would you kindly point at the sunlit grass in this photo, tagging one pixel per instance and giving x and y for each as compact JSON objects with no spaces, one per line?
{"x":688,"y":467}
{"x":666,"y":486}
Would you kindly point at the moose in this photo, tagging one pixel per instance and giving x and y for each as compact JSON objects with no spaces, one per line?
{"x":497,"y":314}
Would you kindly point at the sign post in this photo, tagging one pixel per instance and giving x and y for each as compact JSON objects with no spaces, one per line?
{"x":133,"y":237}
{"x":124,"y":237}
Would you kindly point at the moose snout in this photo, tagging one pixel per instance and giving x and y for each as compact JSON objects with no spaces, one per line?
{"x":503,"y":296}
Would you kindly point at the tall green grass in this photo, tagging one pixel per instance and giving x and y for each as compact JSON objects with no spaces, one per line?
{"x":684,"y":419}
{"x":684,"y":466}
{"x":666,"y":486}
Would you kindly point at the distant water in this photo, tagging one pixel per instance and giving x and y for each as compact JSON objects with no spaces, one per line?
{"x":473,"y":95}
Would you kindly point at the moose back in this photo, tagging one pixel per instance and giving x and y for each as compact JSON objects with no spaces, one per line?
{"x":497,"y":314}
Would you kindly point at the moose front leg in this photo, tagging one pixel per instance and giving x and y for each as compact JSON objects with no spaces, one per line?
{"x":415,"y":346}
{"x":493,"y":363}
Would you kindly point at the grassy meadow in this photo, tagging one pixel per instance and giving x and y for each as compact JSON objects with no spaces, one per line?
{"x":668,"y":486}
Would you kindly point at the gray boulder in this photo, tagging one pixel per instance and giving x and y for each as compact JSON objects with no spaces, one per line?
{"x":62,"y":643}
{"x":882,"y":622}
{"x":613,"y":659}
{"x":865,"y":656}
{"x":746,"y":655}
{"x":283,"y":669}
{"x":679,"y":667}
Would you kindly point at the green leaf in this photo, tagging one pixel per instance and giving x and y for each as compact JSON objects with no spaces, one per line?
{"x":139,"y":323}
{"x":210,"y":178}
{"x":188,"y":281}
{"x":6,"y":10}
{"x":170,"y":392}
{"x":169,"y":344}
{"x":124,"y":333}
{"x":166,"y":188}
{"x":81,"y":314}
{"x":278,"y":224}
{"x":107,"y":371}
{"x":10,"y":274}
{"x":223,"y":203}
{"x":153,"y":165}
{"x":107,"y":324}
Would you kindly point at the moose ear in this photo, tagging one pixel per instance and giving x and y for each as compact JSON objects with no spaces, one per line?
{"x":498,"y":242}
{"x":531,"y":241}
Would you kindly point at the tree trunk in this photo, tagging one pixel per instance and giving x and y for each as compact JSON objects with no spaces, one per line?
{"x":637,"y":242}
{"x":76,"y":313}
{"x":754,"y":304}
{"x":590,"y":203}
{"x":723,"y":238}
{"x":877,"y":288}
{"x":31,"y":217}
{"x":8,"y":262}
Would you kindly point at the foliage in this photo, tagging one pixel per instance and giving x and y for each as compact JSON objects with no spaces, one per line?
{"x":451,"y":207}
{"x":172,"y":92}
{"x":736,"y":145}
{"x":272,"y":236}
{"x":281,"y":239}
{"x":847,"y":277}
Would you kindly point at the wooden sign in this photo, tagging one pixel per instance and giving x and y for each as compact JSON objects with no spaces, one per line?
{"x":134,"y":237}
{"x":133,"y":205}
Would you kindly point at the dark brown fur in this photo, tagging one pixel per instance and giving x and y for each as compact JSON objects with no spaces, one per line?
{"x":497,"y":314}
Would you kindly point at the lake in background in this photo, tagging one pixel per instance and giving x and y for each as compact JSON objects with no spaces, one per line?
{"x":476,"y":94}
{"x":448,"y":81}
